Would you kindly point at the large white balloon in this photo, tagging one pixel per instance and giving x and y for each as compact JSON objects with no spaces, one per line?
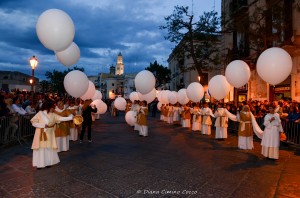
{"x":130,"y":118}
{"x":172,"y":97}
{"x":218,"y":87}
{"x":182,"y":97}
{"x":237,"y":73}
{"x":90,"y":91}
{"x":97,"y":95}
{"x":195,"y":92}
{"x":55,"y":29}
{"x":144,"y":82}
{"x":134,"y":96}
{"x":101,"y":106}
{"x":120,"y":103}
{"x":69,"y":56}
{"x":76,"y":83}
{"x":159,"y":104}
{"x":149,"y":97}
{"x":274,"y":65}
{"x":165,"y":96}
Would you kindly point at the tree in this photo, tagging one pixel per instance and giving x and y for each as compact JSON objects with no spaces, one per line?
{"x":259,"y":28}
{"x":56,"y":79}
{"x":161,"y":73}
{"x":196,"y":40}
{"x":45,"y":86}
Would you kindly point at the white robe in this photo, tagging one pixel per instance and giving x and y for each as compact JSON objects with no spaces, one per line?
{"x":45,"y":149}
{"x":270,"y":142}
{"x":221,"y":123}
{"x":206,"y":129}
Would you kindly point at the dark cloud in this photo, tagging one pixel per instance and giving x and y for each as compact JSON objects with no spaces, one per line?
{"x":103,"y":29}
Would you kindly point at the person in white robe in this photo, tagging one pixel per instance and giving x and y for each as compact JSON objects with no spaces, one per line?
{"x":176,"y":114}
{"x":136,"y":108}
{"x":44,"y":143}
{"x":247,"y":126}
{"x":221,"y":123}
{"x":73,"y":128}
{"x":206,"y":113}
{"x":186,"y":116}
{"x":143,"y":130}
{"x":196,"y":126}
{"x":270,"y":142}
{"x":170,"y":114}
{"x":62,"y":131}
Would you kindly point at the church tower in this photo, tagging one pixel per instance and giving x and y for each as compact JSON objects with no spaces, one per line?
{"x":120,"y":65}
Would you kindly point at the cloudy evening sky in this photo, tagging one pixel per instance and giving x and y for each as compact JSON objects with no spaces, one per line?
{"x":103,"y":28}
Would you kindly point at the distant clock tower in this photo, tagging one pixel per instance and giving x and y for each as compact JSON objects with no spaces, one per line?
{"x":120,"y":65}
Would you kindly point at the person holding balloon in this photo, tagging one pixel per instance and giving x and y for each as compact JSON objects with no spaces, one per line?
{"x":270,"y":142}
{"x":44,"y":144}
{"x":221,"y":123}
{"x":206,"y":113}
{"x":62,"y":131}
{"x":196,"y":126}
{"x":142,"y":121}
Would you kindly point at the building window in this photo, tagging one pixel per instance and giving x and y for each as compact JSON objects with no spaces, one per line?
{"x":5,"y":77}
{"x":113,"y":84}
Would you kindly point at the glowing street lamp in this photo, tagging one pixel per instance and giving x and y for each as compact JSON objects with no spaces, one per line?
{"x":33,"y":63}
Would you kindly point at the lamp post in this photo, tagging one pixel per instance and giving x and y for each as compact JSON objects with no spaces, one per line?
{"x":33,"y":63}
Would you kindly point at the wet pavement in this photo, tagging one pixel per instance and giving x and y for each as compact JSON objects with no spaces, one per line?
{"x":171,"y":162}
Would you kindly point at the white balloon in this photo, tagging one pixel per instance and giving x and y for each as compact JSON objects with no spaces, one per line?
{"x":165,"y":96}
{"x":172,"y":97}
{"x":144,"y":82}
{"x":149,"y":97}
{"x":97,"y":95}
{"x":130,"y":118}
{"x":76,"y":83}
{"x":55,"y":29}
{"x":101,"y":106}
{"x":159,"y":104}
{"x":69,"y":56}
{"x":195,"y":92}
{"x":90,"y":91}
{"x":133,"y":96}
{"x":218,"y":87}
{"x":237,"y":73}
{"x":274,"y":65}
{"x":120,"y":103}
{"x":182,"y":97}
{"x":159,"y":95}
{"x":176,"y":94}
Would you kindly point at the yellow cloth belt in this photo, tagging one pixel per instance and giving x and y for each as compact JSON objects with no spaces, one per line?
{"x":243,"y":125}
{"x":43,"y":135}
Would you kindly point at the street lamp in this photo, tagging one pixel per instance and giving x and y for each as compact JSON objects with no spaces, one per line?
{"x":33,"y":63}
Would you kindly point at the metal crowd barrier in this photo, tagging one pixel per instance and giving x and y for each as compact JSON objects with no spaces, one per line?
{"x":291,"y":129}
{"x":15,"y":128}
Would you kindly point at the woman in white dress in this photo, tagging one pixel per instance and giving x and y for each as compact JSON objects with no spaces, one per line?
{"x":206,"y":119}
{"x":270,"y":142}
{"x":44,"y":144}
{"x":73,"y":128}
{"x":221,"y":123}
{"x":170,"y":114}
{"x":62,"y":131}
{"x":143,"y":130}
{"x":196,"y":126}
{"x":176,"y":114}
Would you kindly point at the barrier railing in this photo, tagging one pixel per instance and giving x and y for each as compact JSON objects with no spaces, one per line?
{"x":15,"y":128}
{"x":291,"y":129}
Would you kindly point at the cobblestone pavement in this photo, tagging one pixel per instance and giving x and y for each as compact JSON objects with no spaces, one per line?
{"x":171,"y":162}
